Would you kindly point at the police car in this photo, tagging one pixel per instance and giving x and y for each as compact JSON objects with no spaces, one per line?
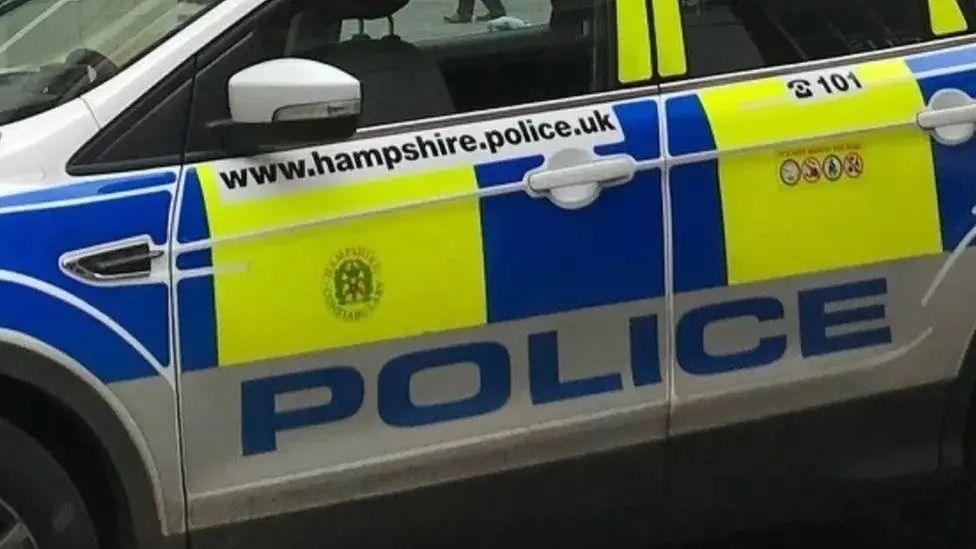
{"x":282,"y":273}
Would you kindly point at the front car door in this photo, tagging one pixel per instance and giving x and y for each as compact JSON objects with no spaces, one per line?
{"x":401,"y":310}
{"x":819,"y":261}
{"x":90,"y":162}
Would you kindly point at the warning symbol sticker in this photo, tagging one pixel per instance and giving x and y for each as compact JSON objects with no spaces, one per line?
{"x":789,"y":172}
{"x":828,"y":163}
{"x":853,"y":165}
{"x":833,"y":168}
{"x":811,"y":170}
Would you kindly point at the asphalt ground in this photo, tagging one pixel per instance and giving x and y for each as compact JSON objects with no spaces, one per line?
{"x":932,"y":532}
{"x":928,"y":522}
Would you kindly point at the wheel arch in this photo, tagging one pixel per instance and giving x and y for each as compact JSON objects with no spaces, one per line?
{"x":959,"y":411}
{"x":70,"y":388}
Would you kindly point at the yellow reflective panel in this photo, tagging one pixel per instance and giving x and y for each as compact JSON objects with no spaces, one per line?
{"x":946,"y":17}
{"x":356,"y":280}
{"x":633,"y":42}
{"x":772,"y":110}
{"x":670,"y":38}
{"x":851,"y":202}
{"x":831,"y":203}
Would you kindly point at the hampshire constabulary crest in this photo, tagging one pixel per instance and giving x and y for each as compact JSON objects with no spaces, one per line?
{"x":352,"y":283}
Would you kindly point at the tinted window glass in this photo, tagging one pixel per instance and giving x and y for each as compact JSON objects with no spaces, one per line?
{"x":51,"y":52}
{"x":731,"y":35}
{"x":424,"y":58}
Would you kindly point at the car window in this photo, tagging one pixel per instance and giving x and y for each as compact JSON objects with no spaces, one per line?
{"x":724,"y":36}
{"x":53,"y":50}
{"x":462,"y":55}
{"x":424,"y":21}
{"x":418,"y":59}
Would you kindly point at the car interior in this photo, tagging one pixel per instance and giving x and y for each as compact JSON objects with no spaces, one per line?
{"x":758,"y":33}
{"x":480,"y":68}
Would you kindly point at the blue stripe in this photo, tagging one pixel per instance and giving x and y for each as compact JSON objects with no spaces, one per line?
{"x":955,"y":175}
{"x":198,"y":259}
{"x":688,"y":127}
{"x":508,"y":171}
{"x":193,"y":213}
{"x":696,"y":200}
{"x":86,"y":340}
{"x":699,"y":233}
{"x":141,"y":309}
{"x":541,"y":259}
{"x":955,"y":179}
{"x":195,"y":297}
{"x":89,"y":189}
{"x":942,"y":59}
{"x":198,"y":328}
{"x":640,"y":126}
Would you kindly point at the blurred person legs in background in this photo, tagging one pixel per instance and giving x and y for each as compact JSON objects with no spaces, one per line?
{"x":465,"y":10}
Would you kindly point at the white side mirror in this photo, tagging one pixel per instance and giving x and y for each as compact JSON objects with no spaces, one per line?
{"x":292,"y":89}
{"x":287,"y":103}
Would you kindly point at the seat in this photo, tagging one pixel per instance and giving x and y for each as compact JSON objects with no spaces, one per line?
{"x":369,"y":9}
{"x":399,"y":81}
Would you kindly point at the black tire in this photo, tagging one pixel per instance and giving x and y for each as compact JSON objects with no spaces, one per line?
{"x":40,"y":493}
{"x":964,"y":497}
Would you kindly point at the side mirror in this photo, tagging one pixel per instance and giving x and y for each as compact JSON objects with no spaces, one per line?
{"x":288,"y":103}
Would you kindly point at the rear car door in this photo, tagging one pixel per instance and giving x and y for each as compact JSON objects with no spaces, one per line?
{"x":401,"y":310}
{"x":819,"y":249}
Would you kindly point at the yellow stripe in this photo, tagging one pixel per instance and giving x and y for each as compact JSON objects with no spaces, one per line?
{"x":763,"y":112}
{"x":670,"y":39}
{"x":633,"y":42}
{"x":946,"y":17}
{"x":775,"y":231}
{"x":273,"y":293}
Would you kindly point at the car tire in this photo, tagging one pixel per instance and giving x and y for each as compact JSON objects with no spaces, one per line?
{"x":39,"y":505}
{"x":963,"y":500}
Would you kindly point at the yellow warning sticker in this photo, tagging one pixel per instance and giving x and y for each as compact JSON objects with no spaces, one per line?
{"x":841,"y":163}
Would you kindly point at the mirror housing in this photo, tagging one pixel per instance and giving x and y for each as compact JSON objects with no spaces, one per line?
{"x":289,"y":103}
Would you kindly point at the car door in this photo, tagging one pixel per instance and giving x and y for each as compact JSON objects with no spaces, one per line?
{"x":440,"y":299}
{"x":821,"y":305}
{"x":93,"y":113}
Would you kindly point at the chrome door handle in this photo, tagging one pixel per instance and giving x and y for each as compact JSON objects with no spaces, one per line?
{"x":950,"y":117}
{"x":575,"y":187}
{"x":124,"y":261}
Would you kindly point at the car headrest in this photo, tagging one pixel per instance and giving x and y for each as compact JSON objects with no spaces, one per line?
{"x":364,"y":9}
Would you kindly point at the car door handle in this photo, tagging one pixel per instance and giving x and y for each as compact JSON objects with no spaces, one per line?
{"x":613,"y":171}
{"x":950,"y":117}
{"x":932,"y":119}
{"x":123,"y":262}
{"x":576,"y":187}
